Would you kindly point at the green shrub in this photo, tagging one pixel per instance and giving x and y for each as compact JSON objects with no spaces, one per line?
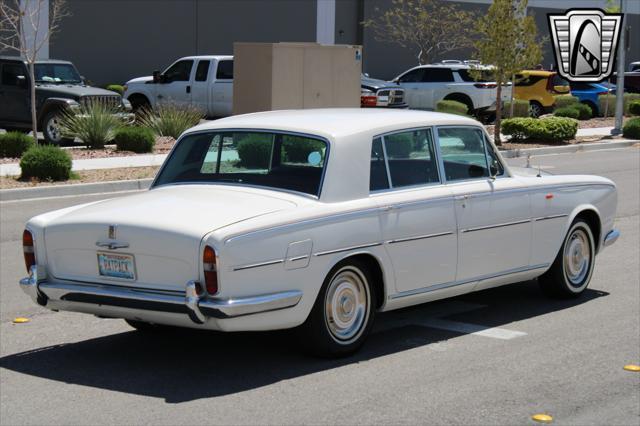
{"x":46,"y":163}
{"x":254,"y":151}
{"x":520,"y":108}
{"x":628,"y":98}
{"x":14,"y":144}
{"x":452,"y":107}
{"x":634,"y":107}
{"x":565,"y":100}
{"x":136,"y":139}
{"x":631,"y":128}
{"x":170,"y":119}
{"x":95,"y":124}
{"x":550,"y":129}
{"x":584,"y":111}
{"x":568,"y":111}
{"x":399,"y":145}
{"x":296,"y":149}
{"x":116,"y":88}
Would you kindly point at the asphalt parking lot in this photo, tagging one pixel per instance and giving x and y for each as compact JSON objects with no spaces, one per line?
{"x":494,"y":357}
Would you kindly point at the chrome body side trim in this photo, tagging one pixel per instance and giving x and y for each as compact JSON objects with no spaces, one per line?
{"x":257,"y":265}
{"x":611,"y":237}
{"x":419,"y":237}
{"x":294,"y":259}
{"x":471,"y":280}
{"x":497,"y":225}
{"x":555,"y":216}
{"x":324,"y":253}
{"x":192,"y":302}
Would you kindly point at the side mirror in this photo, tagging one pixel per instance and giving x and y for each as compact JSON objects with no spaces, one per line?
{"x":21,"y":81}
{"x":83,"y":80}
{"x":561,"y":89}
{"x":366,"y":74}
{"x":156,"y":76}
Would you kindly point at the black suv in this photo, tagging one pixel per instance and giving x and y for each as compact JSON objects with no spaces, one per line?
{"x":58,"y":86}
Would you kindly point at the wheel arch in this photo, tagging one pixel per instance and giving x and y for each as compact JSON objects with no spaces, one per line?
{"x":49,"y":105}
{"x":461,"y":97}
{"x":591,"y":215}
{"x":141,"y":96}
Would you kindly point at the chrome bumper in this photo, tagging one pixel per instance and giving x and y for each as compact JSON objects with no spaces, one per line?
{"x":611,"y":237}
{"x":197,"y":306}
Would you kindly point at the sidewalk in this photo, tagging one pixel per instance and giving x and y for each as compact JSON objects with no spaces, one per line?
{"x":157,"y":159}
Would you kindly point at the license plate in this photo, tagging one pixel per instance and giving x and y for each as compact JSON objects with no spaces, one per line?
{"x":116,"y":266}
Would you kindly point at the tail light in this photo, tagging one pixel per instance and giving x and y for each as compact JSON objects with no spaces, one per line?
{"x":485,"y":85}
{"x":210,"y":270}
{"x":28,"y":250}
{"x":368,"y":100}
{"x":602,"y":93}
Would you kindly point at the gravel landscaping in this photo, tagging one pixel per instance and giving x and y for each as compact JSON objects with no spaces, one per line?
{"x":85,"y":176}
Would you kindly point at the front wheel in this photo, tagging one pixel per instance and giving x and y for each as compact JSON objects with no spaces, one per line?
{"x":343,"y":313}
{"x":52,"y":131}
{"x":571,"y":271}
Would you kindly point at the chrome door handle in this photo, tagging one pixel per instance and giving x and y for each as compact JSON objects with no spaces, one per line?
{"x":462,"y":197}
{"x":388,"y":208}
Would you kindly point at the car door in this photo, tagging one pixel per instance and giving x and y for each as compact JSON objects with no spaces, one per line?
{"x":200,"y":87}
{"x":417,"y":216}
{"x":223,"y":89}
{"x":493,"y":213}
{"x":435,"y":85}
{"x":14,"y":92}
{"x":175,"y":87}
{"x":411,"y":81}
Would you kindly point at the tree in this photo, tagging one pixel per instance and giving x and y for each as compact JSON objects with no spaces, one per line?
{"x":430,"y":27}
{"x":507,"y":41}
{"x":21,"y":33}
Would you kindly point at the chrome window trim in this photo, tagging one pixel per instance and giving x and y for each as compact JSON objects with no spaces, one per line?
{"x":248,"y":130}
{"x":467,"y":281}
{"x":497,"y":225}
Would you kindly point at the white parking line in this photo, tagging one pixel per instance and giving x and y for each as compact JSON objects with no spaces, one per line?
{"x":478,"y":330}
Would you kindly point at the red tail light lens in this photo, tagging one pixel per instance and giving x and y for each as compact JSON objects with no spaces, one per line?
{"x":210,"y":270}
{"x":28,"y":250}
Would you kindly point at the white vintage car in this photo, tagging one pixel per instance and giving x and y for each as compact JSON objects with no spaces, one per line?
{"x":318,"y":219}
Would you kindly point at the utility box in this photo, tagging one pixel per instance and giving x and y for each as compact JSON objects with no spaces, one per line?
{"x":272,"y":76}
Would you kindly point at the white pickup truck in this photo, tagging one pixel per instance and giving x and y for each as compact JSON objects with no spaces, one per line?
{"x":203,"y":82}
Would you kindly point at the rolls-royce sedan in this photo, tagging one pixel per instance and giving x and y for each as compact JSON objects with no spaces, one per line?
{"x":317,"y":220}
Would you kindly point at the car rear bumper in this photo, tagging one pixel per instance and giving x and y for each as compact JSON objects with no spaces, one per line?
{"x":67,"y":295}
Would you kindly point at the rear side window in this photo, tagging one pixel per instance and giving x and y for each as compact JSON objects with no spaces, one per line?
{"x":463,"y":153}
{"x":10,"y":73}
{"x":485,"y":76}
{"x":378,"y":179}
{"x":202,"y":72}
{"x":530,"y":80}
{"x":225,"y":70}
{"x":437,"y":75}
{"x":414,"y":76}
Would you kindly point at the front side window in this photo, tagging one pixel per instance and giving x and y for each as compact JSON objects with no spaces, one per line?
{"x":414,"y":76}
{"x":275,"y":160}
{"x":180,"y":71}
{"x":225,"y":70}
{"x":463,"y":153}
{"x":10,"y":73}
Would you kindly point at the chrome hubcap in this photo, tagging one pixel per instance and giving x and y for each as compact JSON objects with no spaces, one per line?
{"x":534,"y":110}
{"x":346,"y":305}
{"x":577,"y":257}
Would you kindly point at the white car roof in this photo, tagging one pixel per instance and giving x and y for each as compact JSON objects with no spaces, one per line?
{"x":218,"y":57}
{"x":334,"y":123}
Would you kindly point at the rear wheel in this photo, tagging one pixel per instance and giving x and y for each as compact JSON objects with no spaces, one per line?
{"x":343,"y":313}
{"x":535,"y":109}
{"x":571,"y":271}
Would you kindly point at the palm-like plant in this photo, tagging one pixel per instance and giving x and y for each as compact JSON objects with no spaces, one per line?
{"x":170,"y":119}
{"x":94,"y":123}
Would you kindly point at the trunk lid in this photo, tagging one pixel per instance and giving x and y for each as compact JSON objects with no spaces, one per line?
{"x":161,"y":229}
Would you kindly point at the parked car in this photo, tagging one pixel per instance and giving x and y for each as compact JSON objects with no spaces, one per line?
{"x":380,"y":93}
{"x":631,"y":81}
{"x":539,"y":88}
{"x":59,"y":87}
{"x":318,"y":219}
{"x":634,"y":66}
{"x":204,"y":82}
{"x":426,"y":85}
{"x":588,"y":94}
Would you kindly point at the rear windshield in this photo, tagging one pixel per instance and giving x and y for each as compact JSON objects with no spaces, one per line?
{"x":275,"y":160}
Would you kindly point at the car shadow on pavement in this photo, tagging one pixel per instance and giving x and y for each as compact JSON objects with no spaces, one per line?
{"x":185,"y":365}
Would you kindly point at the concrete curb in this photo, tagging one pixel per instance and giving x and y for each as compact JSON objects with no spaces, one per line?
{"x":515,"y":153}
{"x":74,"y":189}
{"x":140,"y":184}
